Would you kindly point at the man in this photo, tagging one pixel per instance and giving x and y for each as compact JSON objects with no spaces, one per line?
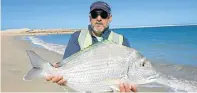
{"x":98,"y":30}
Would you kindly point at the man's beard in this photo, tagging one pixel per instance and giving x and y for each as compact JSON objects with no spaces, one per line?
{"x":98,"y":30}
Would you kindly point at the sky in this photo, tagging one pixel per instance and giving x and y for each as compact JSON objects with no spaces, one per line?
{"x":42,"y":14}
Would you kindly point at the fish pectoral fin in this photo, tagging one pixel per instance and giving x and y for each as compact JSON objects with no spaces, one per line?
{"x":112,"y":81}
{"x":68,"y":89}
{"x":116,"y":81}
{"x":126,"y":80}
{"x":114,"y":88}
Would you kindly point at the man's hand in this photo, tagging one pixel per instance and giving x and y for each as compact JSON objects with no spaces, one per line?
{"x":127,"y":88}
{"x":56,"y":79}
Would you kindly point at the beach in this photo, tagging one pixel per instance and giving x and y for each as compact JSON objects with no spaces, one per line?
{"x":15,"y":64}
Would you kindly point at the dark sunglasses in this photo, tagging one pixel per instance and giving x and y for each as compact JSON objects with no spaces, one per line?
{"x":95,"y":14}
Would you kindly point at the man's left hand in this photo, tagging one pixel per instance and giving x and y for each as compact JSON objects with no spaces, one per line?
{"x":127,"y":87}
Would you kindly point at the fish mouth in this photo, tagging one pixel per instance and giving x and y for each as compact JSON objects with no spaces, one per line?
{"x":152,"y":78}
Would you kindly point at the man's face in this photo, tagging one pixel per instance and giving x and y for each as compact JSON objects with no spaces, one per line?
{"x":99,"y":20}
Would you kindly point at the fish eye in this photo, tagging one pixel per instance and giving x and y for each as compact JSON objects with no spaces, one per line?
{"x":143,"y":64}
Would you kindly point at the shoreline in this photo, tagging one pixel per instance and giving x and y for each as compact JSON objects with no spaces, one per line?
{"x":27,"y":32}
{"x":32,"y":34}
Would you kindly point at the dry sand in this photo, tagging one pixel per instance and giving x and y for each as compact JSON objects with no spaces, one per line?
{"x":15,"y":63}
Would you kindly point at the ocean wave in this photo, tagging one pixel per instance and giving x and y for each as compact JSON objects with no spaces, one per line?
{"x":178,"y":85}
{"x":51,"y":47}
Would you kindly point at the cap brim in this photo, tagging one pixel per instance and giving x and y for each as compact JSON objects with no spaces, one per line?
{"x":103,"y":8}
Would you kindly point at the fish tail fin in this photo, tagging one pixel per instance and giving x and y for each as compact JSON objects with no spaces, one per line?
{"x":37,"y":65}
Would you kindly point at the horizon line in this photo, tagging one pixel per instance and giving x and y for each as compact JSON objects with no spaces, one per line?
{"x":152,"y":26}
{"x":110,"y":28}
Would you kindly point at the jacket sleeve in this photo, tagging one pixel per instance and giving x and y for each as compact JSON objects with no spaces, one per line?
{"x":72,"y":46}
{"x":125,"y":42}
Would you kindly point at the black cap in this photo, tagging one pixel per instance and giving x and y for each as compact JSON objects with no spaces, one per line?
{"x":100,"y":5}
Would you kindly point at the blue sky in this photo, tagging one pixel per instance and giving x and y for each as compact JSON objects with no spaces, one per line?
{"x":40,"y":14}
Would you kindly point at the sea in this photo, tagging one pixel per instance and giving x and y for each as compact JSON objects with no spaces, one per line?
{"x":172,"y":49}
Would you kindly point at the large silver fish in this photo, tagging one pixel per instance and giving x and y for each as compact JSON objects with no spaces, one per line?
{"x":100,"y":67}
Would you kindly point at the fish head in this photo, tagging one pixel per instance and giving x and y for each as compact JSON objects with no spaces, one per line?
{"x":140,"y":70}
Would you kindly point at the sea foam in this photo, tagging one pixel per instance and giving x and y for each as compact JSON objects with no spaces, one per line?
{"x":50,"y":46}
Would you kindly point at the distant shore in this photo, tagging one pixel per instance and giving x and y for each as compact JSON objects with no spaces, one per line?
{"x":27,"y":31}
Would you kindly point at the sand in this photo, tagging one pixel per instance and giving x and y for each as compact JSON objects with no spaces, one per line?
{"x":15,"y":63}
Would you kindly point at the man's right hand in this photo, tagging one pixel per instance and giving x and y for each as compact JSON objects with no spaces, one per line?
{"x":56,"y":79}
